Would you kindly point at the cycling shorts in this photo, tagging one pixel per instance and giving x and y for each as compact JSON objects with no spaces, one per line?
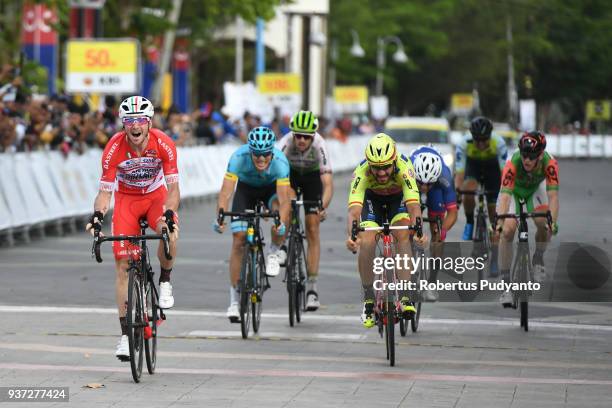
{"x":129,"y":210}
{"x":489,"y":172}
{"x":373,"y":211}
{"x":247,"y":197}
{"x":311,"y":186}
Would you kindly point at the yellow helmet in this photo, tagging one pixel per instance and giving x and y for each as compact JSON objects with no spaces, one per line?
{"x":380,"y":150}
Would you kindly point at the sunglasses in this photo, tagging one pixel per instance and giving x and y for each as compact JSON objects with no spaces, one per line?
{"x":303,"y":136}
{"x":135,"y":121}
{"x":530,"y":155}
{"x":260,"y":154}
{"x":425,"y":184}
{"x":381,"y":168}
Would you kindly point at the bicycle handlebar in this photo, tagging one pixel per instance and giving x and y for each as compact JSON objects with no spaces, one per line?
{"x":248,"y":214}
{"x":474,"y":193}
{"x":547,"y":215}
{"x":98,"y":240}
{"x":386,"y":228}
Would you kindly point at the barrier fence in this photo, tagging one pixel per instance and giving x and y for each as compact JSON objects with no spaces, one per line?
{"x":43,"y":189}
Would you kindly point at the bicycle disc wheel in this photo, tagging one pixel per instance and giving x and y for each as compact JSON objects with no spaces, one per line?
{"x":257,"y":295}
{"x":151,"y":303}
{"x":390,"y":333}
{"x":245,"y":293}
{"x":135,"y":323}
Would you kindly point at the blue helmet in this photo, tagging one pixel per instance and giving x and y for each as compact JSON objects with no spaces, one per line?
{"x":261,"y":140}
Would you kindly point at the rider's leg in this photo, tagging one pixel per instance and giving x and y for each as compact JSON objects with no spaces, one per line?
{"x":314,"y":246}
{"x":469,"y":204}
{"x":542,"y":237}
{"x":365,"y":262}
{"x":238,"y":240}
{"x":121,"y":291}
{"x":505,"y":247}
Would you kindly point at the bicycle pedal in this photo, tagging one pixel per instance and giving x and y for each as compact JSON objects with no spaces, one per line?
{"x":123,"y":359}
{"x":234,"y":320}
{"x":508,"y":306}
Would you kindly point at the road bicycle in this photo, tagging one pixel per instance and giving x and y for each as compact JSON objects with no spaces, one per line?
{"x":253,"y":279}
{"x":387,"y":309}
{"x":143,"y":312}
{"x":296,"y":267}
{"x":522,"y":268}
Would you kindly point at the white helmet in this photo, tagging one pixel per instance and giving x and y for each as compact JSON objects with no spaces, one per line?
{"x":136,"y":106}
{"x":428,"y":167}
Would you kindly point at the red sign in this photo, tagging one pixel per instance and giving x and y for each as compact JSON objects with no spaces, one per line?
{"x":37,"y":25}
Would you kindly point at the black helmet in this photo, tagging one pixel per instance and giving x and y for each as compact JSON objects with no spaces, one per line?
{"x":481,"y":128}
{"x":532,"y":143}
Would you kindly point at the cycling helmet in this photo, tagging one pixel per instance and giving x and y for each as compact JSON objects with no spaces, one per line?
{"x":304,"y":122}
{"x":380,"y":150}
{"x":136,"y":106}
{"x":532,"y":142}
{"x":261,"y":140}
{"x":428,"y":167}
{"x":481,"y":128}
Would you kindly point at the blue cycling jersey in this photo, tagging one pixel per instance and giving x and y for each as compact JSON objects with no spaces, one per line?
{"x":241,"y":167}
{"x":441,"y":196}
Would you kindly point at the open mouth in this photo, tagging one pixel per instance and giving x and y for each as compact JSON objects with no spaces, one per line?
{"x":136,"y":133}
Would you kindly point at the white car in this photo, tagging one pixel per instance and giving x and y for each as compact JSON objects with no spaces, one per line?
{"x":410,"y":132}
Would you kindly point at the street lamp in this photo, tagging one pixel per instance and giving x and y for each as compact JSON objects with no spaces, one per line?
{"x":356,"y":49}
{"x":399,"y":56}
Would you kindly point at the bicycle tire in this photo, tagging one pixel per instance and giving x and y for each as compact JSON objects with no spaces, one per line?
{"x":414,"y":322}
{"x":257,"y":295}
{"x":291,"y":281}
{"x":390,"y":333}
{"x":151,"y":303}
{"x":245,"y":293}
{"x":135,"y":322}
{"x":525,"y":316}
{"x":300,"y":301}
{"x":403,"y":326}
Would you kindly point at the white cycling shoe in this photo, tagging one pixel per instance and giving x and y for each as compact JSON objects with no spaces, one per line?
{"x":312,"y":301}
{"x":123,"y":349}
{"x":506,"y":299}
{"x":275,"y":260}
{"x":166,"y":300}
{"x":233,"y":313}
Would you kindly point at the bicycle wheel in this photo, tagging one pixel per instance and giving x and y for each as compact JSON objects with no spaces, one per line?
{"x":300,"y":276}
{"x":390,"y":333}
{"x":245,"y":292}
{"x":150,"y":340}
{"x":414,"y":322}
{"x":135,"y":322}
{"x":257,"y":294}
{"x":291,"y":279}
{"x":524,"y":316}
{"x":403,"y":326}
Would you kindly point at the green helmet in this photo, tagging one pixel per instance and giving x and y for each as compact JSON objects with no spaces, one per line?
{"x":304,"y":122}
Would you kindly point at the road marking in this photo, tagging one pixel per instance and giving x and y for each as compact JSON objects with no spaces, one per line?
{"x":507,"y":322}
{"x":49,"y":348}
{"x":363,"y":375}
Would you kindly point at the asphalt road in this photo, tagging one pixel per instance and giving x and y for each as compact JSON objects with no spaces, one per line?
{"x":60,"y":328}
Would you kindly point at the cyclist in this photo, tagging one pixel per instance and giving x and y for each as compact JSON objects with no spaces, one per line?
{"x":531,"y":174}
{"x":480,"y":158}
{"x":135,"y":164}
{"x":311,"y":171}
{"x":383,"y":178}
{"x":435,"y":182}
{"x":259,"y":172}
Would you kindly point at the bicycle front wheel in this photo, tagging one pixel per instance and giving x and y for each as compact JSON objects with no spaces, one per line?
{"x":150,"y":340}
{"x":135,"y":322}
{"x":525,"y":316}
{"x":291,"y":280}
{"x":390,"y":333}
{"x":245,"y":292}
{"x":257,"y":294}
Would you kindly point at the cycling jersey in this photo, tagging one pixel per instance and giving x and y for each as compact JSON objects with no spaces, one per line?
{"x":467,"y":150}
{"x":125,"y":171}
{"x":401,"y":181}
{"x":518,"y":182}
{"x":441,"y":196}
{"x":315,"y":158}
{"x":241,"y":167}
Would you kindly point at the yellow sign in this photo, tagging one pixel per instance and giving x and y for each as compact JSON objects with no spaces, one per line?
{"x":462,"y":102}
{"x":598,"y":110}
{"x":102,"y":56}
{"x":351,"y":94}
{"x":273,"y":83}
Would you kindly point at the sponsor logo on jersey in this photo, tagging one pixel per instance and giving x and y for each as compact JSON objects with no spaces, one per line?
{"x":109,"y":155}
{"x":167,"y":148}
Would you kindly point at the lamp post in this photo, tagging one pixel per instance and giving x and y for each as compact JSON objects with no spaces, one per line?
{"x":399,"y":57}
